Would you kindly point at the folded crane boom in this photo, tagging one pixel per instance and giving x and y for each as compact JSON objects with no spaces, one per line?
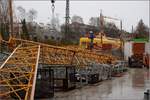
{"x":18,"y":72}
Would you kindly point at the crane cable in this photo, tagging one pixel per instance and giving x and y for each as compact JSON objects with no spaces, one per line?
{"x":53,"y":12}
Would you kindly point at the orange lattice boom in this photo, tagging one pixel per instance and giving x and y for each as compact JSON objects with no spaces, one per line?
{"x":18,"y":72}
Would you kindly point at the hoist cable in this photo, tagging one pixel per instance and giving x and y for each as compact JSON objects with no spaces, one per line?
{"x":53,"y":13}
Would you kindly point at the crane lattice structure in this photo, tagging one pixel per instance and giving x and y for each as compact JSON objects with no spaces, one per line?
{"x":18,"y":72}
{"x":102,"y":20}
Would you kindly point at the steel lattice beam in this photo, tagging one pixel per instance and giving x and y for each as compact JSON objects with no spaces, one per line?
{"x":61,"y":55}
{"x":18,"y":72}
{"x":16,"y":77}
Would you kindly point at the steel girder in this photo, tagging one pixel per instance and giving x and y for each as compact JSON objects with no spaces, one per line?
{"x":65,"y":56}
{"x":18,"y":72}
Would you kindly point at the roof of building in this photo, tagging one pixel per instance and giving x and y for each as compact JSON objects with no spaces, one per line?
{"x":140,"y":40}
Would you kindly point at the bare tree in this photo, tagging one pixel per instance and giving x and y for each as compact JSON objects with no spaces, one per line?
{"x":55,"y":23}
{"x":111,"y":30}
{"x":94,"y":21}
{"x":77,"y":19}
{"x":21,"y":13}
{"x":26,"y":18}
{"x":32,"y":14}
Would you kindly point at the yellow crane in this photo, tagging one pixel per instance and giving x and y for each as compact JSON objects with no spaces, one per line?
{"x":18,"y":72}
{"x":102,"y":24}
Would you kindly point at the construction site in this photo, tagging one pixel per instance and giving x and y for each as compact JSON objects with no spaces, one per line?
{"x":99,"y":67}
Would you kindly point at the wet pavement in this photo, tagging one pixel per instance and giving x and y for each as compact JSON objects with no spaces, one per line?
{"x":131,"y":86}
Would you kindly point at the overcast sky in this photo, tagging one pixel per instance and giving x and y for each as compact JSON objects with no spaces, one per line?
{"x":129,"y":11}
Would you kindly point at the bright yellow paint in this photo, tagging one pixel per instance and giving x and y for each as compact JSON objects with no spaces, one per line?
{"x":84,"y":41}
{"x":29,"y":54}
